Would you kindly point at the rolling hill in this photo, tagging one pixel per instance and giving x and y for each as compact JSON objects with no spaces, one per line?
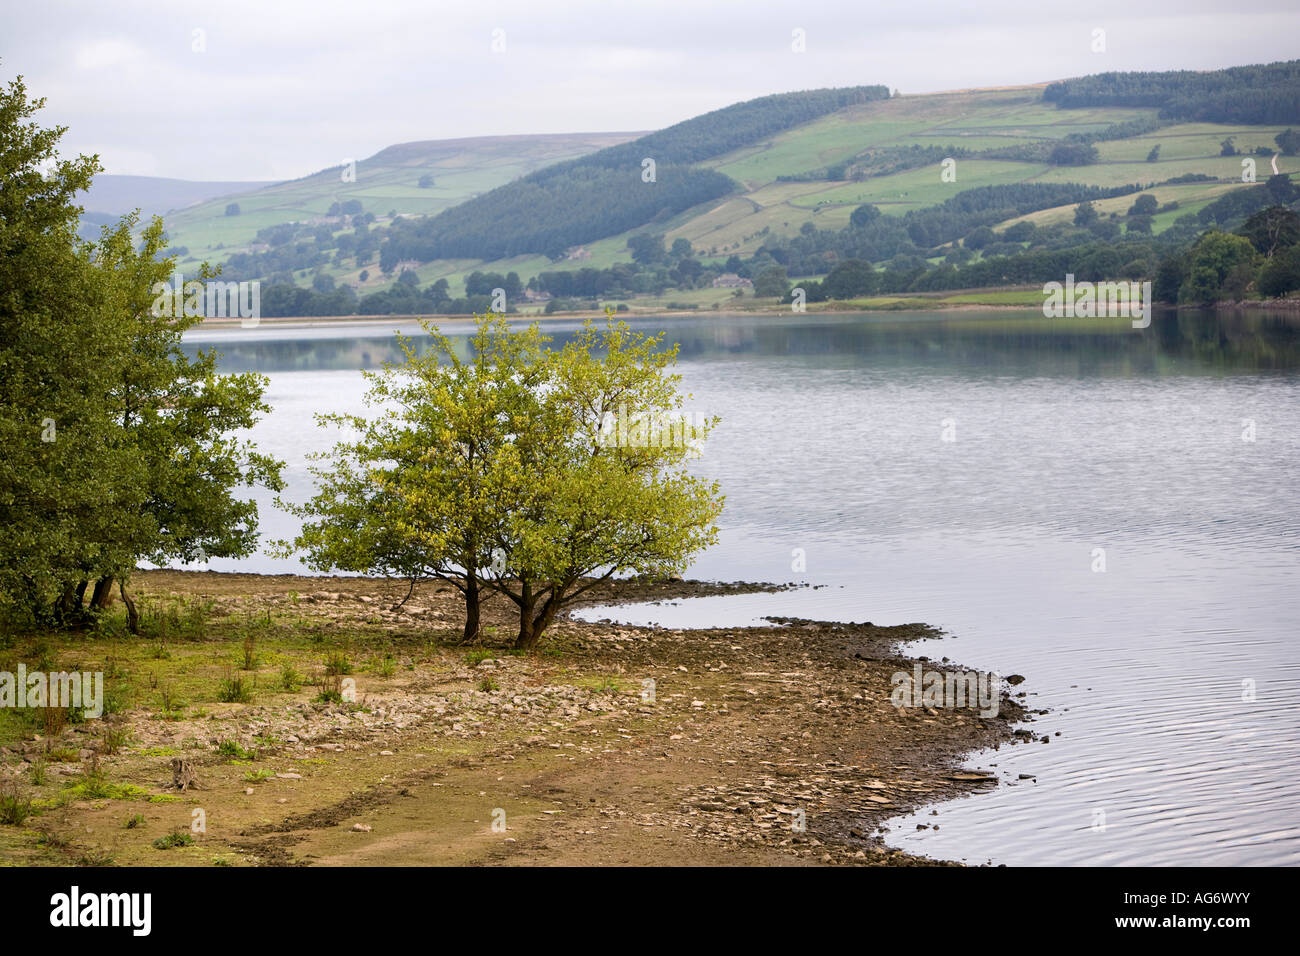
{"x":787,"y":165}
{"x":154,"y":195}
{"x":387,"y":182}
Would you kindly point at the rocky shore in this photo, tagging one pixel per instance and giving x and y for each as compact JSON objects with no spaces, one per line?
{"x":612,"y":744}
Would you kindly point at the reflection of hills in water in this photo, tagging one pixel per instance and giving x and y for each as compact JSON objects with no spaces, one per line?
{"x":1015,"y":343}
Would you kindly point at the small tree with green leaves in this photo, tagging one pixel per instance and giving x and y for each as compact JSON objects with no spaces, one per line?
{"x":504,"y":471}
{"x":604,"y":487}
{"x":419,"y":492}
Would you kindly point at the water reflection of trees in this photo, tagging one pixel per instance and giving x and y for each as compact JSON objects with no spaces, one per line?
{"x":1006,"y":343}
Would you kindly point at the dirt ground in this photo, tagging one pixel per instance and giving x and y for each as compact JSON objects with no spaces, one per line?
{"x":610,"y":745}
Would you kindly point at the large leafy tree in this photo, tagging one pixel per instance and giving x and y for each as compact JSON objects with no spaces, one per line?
{"x":115,"y":447}
{"x":61,"y":468}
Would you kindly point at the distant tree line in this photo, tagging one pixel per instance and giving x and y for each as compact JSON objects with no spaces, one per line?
{"x":1260,"y":94}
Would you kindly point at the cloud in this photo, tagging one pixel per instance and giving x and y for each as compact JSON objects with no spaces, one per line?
{"x":281,"y":90}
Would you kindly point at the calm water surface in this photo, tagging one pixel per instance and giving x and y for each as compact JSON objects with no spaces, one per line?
{"x":1067,"y":438}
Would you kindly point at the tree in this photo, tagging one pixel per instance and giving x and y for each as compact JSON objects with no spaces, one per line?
{"x":1154,"y":155}
{"x":1228,"y":147}
{"x":1281,"y":190}
{"x":1144,"y":205}
{"x":1271,"y":229}
{"x":771,"y":282}
{"x":646,"y":249}
{"x":1218,"y":267}
{"x":602,"y":492}
{"x":499,"y":471}
{"x":850,"y":279}
{"x":115,"y":444}
{"x":681,"y":248}
{"x":979,"y":237}
{"x":1019,"y":232}
{"x":864,"y":215}
{"x":1085,"y":214}
{"x":425,"y":181}
{"x":1072,"y":154}
{"x":232,"y":209}
{"x":1281,"y":274}
{"x":1288,"y":141}
{"x":421,"y":492}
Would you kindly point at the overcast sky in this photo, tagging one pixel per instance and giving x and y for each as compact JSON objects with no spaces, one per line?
{"x":275,"y":89}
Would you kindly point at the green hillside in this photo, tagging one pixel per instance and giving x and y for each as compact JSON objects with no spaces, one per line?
{"x":792,"y":163}
{"x":386,"y":182}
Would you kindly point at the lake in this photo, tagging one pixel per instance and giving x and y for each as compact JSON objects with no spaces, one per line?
{"x":1107,"y":511}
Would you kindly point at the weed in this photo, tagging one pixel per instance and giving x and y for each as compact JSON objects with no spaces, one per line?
{"x":15,"y":805}
{"x":175,"y":838}
{"x":231,"y":750}
{"x":115,"y":738}
{"x":235,"y":689}
{"x":96,"y":856}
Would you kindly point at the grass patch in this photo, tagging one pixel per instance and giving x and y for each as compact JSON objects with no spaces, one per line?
{"x":231,"y":750}
{"x":173,"y":839}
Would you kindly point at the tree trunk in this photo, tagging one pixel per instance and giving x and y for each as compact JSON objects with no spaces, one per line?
{"x":132,"y":616}
{"x":102,"y":597}
{"x":472,"y":601}
{"x":533,"y":623}
{"x":527,"y":638}
{"x":67,"y":607}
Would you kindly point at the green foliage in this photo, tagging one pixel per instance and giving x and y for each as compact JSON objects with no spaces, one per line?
{"x":235,"y":689}
{"x":1281,"y":274}
{"x":115,"y":446}
{"x":1144,"y":205}
{"x":1264,"y":94}
{"x":1271,"y":230}
{"x":231,"y":750}
{"x":15,"y":805}
{"x":1219,"y":266}
{"x":174,"y":839}
{"x":1072,"y":154}
{"x":771,"y":282}
{"x":497,"y":471}
{"x":849,"y":280}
